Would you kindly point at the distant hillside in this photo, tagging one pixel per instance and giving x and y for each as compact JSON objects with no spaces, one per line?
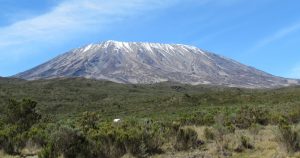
{"x":67,"y":97}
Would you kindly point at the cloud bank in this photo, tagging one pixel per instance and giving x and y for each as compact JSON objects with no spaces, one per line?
{"x":74,"y":16}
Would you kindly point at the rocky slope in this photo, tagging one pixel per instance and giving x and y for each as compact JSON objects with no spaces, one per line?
{"x":135,"y":62}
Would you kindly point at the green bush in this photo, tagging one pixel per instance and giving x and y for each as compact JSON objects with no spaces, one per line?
{"x":11,"y":141}
{"x":48,"y":152}
{"x":109,"y":140}
{"x":1,"y":123}
{"x":19,"y":117}
{"x":23,"y":114}
{"x":198,"y":118}
{"x":223,"y":125}
{"x":137,"y":138}
{"x":288,"y":136}
{"x":186,"y":139}
{"x":248,"y":115}
{"x":38,"y":135}
{"x":294,"y":116}
{"x":88,"y":121}
{"x":68,"y":142}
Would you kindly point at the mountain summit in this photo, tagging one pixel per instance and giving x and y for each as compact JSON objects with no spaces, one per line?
{"x":136,"y":62}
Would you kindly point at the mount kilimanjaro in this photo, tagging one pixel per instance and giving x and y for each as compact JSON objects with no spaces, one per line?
{"x":145,"y":63}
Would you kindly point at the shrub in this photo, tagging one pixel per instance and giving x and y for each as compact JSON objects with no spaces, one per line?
{"x":19,"y":117}
{"x":198,"y":118}
{"x":138,"y":139}
{"x":38,"y":135}
{"x":209,"y":134}
{"x":288,"y":136}
{"x":152,"y":138}
{"x":275,"y":118}
{"x":1,"y":123}
{"x":11,"y":140}
{"x":172,"y":128}
{"x":67,"y":142}
{"x":294,"y":116}
{"x":48,"y":152}
{"x":186,"y":139}
{"x":111,"y":146}
{"x":23,"y":114}
{"x":244,"y":144}
{"x":249,"y":115}
{"x":223,"y":125}
{"x":245,"y":141}
{"x":88,"y":121}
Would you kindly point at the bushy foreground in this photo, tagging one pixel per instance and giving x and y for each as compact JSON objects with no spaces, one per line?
{"x":89,"y":135}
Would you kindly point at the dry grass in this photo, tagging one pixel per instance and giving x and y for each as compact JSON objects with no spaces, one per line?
{"x":265,"y":144}
{"x":264,"y":140}
{"x":28,"y":150}
{"x":3,"y":155}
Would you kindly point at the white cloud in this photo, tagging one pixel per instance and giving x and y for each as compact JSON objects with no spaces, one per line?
{"x":283,"y":32}
{"x":74,"y":16}
{"x":69,"y":21}
{"x":80,"y":16}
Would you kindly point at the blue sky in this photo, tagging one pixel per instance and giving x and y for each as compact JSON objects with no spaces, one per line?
{"x":261,"y":33}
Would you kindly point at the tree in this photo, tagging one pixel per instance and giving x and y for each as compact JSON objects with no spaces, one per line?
{"x":23,"y":114}
{"x":18,"y":119}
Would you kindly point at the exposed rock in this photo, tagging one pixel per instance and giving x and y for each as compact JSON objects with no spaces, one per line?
{"x":134,"y":62}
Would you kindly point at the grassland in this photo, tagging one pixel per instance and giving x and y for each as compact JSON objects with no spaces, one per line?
{"x":157,"y":120}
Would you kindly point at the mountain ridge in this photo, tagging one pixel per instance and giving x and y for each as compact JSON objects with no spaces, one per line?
{"x":145,"y":62}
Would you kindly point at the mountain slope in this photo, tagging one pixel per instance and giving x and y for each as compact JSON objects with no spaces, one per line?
{"x":134,"y":62}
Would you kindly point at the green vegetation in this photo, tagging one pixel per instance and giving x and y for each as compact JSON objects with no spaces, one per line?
{"x":74,"y":118}
{"x":186,"y":139}
{"x":19,"y":117}
{"x":289,"y":137}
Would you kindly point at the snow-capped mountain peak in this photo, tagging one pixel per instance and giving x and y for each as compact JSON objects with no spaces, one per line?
{"x":138,"y":62}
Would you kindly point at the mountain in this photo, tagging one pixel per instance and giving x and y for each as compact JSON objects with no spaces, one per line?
{"x":144,"y":63}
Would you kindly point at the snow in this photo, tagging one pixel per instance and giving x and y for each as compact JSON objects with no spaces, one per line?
{"x":147,"y":46}
{"x":127,"y":46}
{"x":87,"y":47}
{"x":101,"y":61}
{"x":118,"y":44}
